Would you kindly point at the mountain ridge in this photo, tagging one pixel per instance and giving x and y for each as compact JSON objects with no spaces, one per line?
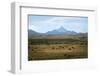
{"x":59,"y":31}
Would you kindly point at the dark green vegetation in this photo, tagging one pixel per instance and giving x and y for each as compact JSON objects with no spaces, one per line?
{"x":44,"y":47}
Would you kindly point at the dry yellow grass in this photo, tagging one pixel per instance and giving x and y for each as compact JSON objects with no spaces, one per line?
{"x":57,"y":51}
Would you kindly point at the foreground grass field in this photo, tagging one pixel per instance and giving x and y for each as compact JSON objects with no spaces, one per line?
{"x":57,"y":47}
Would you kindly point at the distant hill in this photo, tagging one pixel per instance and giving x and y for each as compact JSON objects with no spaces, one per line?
{"x":59,"y":31}
{"x":31,"y":33}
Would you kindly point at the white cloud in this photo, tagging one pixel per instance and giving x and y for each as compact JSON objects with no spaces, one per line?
{"x":70,"y":23}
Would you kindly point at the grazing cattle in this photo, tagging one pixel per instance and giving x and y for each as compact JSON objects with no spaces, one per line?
{"x":82,"y":43}
{"x":53,"y":48}
{"x":32,"y":49}
{"x":65,"y":54}
{"x":28,"y":47}
{"x":69,"y":49}
{"x":35,"y":47}
{"x":56,"y":48}
{"x":73,"y":47}
{"x":61,"y":47}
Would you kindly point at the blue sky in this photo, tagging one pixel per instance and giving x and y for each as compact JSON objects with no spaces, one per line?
{"x":44,"y":24}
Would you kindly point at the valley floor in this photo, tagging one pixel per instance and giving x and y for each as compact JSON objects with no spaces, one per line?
{"x":57,"y":47}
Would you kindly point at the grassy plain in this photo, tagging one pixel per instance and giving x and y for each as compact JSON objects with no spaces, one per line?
{"x":50,"y":47}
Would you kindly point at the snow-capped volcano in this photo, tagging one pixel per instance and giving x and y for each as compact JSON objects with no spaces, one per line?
{"x":61,"y":30}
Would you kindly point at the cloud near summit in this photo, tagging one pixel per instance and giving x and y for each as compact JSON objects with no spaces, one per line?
{"x":47,"y":23}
